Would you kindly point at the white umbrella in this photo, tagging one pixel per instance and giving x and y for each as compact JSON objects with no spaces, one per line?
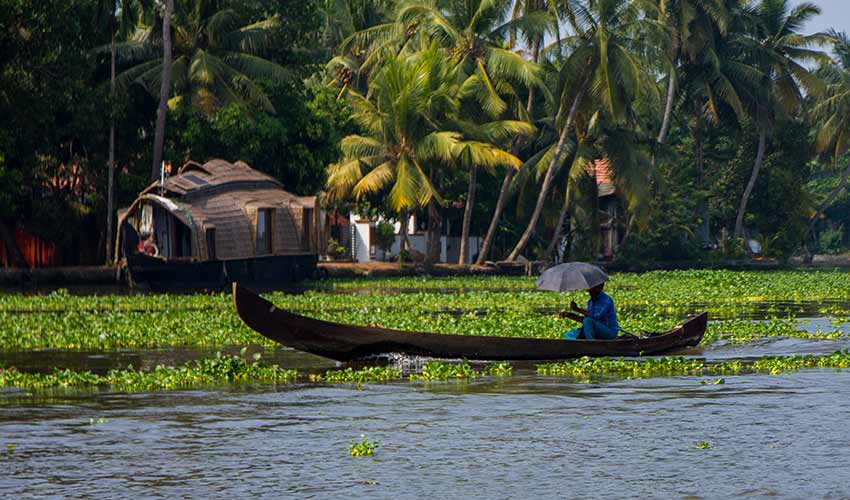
{"x":571,"y":276}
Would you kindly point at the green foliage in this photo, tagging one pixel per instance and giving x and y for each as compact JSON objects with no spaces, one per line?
{"x":293,"y":147}
{"x":831,"y":240}
{"x":438,"y":370}
{"x":337,"y":251}
{"x":486,"y":305}
{"x":668,"y":233}
{"x":218,"y":369}
{"x":363,"y":448}
{"x":385,"y":236}
{"x":499,"y":370}
{"x":367,"y":374}
{"x":678,"y":366}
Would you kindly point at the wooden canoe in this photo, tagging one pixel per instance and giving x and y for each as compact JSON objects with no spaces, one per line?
{"x":347,"y":342}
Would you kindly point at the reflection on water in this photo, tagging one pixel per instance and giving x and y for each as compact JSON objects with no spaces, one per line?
{"x":522,"y":437}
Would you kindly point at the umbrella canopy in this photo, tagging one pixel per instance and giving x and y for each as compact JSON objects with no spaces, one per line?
{"x":571,"y":276}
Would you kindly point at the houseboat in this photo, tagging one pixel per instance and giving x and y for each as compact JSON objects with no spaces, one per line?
{"x":210,"y":225}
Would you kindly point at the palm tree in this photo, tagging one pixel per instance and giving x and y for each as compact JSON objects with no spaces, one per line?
{"x":777,"y":48}
{"x":164,"y":90}
{"x":478,"y":139}
{"x":411,"y":131}
{"x":120,"y":18}
{"x":344,"y":18}
{"x":833,"y":113}
{"x":474,"y":33}
{"x":522,"y":9}
{"x":217,"y":59}
{"x":711,"y":80}
{"x":601,"y":68}
{"x":692,"y":24}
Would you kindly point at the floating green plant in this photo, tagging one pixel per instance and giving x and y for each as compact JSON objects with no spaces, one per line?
{"x":211,"y":370}
{"x":368,"y":374}
{"x":703,"y":445}
{"x":476,"y":305}
{"x":363,"y":447}
{"x":674,"y":366}
{"x":438,"y":370}
{"x":499,"y":370}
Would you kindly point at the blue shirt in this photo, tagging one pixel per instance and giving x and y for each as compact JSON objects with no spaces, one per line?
{"x":602,"y":310}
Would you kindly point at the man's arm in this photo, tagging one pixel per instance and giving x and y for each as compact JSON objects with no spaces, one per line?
{"x":572,"y":316}
{"x":578,"y":309}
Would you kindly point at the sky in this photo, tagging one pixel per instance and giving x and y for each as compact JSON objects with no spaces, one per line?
{"x":834,"y":14}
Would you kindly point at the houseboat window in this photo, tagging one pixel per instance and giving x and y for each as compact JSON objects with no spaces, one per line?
{"x":264,"y":236}
{"x":210,"y":235}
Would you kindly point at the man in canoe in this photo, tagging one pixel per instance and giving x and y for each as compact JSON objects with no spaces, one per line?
{"x":598,"y":321}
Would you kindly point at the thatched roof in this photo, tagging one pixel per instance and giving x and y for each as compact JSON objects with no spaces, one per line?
{"x":225,"y":197}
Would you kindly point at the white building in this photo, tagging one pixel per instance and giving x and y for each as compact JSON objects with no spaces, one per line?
{"x":365,"y":250}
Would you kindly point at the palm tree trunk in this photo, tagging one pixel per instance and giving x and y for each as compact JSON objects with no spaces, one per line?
{"x":435,"y":225}
{"x":559,"y":229}
{"x":702,"y":209}
{"x":404,"y":225}
{"x":509,"y":175}
{"x":467,"y":214}
{"x":497,"y":213}
{"x":110,"y":184}
{"x":547,"y":180}
{"x":164,"y":91}
{"x":742,"y":208}
{"x":668,"y":108}
{"x":829,"y":199}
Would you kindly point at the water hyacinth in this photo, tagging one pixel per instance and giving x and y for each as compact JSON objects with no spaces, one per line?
{"x":359,"y":376}
{"x":488,"y":306}
{"x":218,"y":369}
{"x":677,"y":366}
{"x":438,"y":370}
{"x":363,"y":448}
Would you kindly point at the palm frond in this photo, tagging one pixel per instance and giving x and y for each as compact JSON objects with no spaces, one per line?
{"x":375,"y":180}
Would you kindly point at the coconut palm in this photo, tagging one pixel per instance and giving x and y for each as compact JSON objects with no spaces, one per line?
{"x":165,"y":75}
{"x":344,"y":18}
{"x":522,"y":9}
{"x":217,"y":58}
{"x":712,"y":80}
{"x":473,"y":31}
{"x":692,"y":26}
{"x":406,"y":118}
{"x":603,"y":70}
{"x":778,"y":49}
{"x":120,"y":18}
{"x":495,"y":137}
{"x":833,"y":113}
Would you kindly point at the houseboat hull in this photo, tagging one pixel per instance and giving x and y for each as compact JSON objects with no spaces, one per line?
{"x":153,"y":273}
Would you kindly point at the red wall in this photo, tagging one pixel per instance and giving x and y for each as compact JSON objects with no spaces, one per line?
{"x":36,"y":251}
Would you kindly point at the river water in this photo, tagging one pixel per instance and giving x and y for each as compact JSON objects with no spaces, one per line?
{"x":525,"y":436}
